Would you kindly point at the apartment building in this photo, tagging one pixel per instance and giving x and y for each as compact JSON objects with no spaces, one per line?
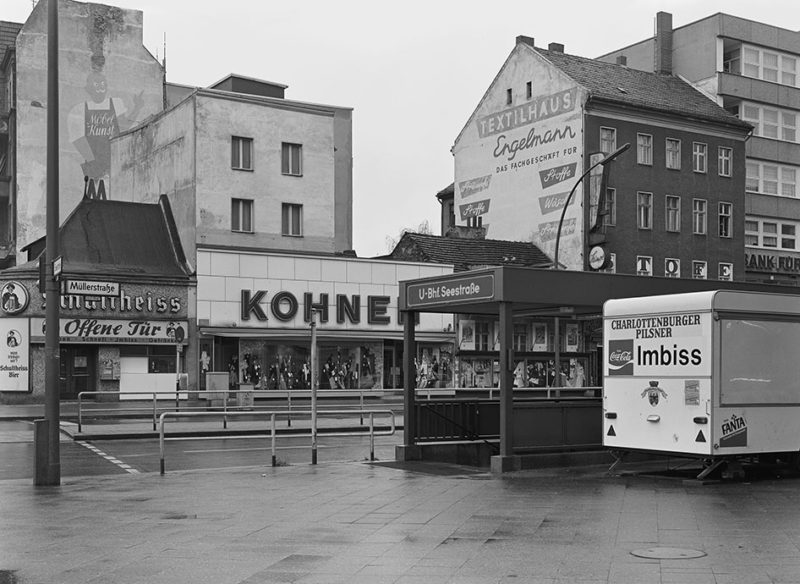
{"x":752,"y":70}
{"x":670,"y":206}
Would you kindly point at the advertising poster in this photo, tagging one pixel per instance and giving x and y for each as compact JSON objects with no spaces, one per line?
{"x":14,"y":354}
{"x":519,"y":155}
{"x":466,"y":335}
{"x":572,"y":338}
{"x":539,"y":337}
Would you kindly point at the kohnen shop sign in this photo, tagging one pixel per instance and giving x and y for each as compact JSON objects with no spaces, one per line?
{"x":446,"y":291}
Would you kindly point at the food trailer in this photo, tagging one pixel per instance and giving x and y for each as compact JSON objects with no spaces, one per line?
{"x":713,"y":375}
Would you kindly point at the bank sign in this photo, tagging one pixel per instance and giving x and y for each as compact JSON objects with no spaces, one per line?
{"x":443,"y":292}
{"x":664,"y":345}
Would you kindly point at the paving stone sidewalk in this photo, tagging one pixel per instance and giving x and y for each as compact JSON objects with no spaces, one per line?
{"x":397,"y":523}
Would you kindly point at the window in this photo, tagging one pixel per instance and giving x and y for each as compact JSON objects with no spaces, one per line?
{"x":292,"y":219}
{"x":673,"y":154}
{"x":644,"y":265}
{"x":509,"y":97}
{"x":611,"y":207}
{"x":771,"y":234}
{"x":161,"y":359}
{"x":242,"y":215}
{"x":644,"y":203}
{"x":725,"y":271}
{"x":699,"y":219}
{"x":771,"y":179}
{"x":644,"y":151}
{"x":608,"y":140}
{"x":770,"y":122}
{"x":724,"y":161}
{"x":482,"y":336}
{"x":292,"y":159}
{"x":529,"y":90}
{"x":520,"y":339}
{"x":770,"y":66}
{"x":673,"y":207}
{"x":699,"y":152}
{"x":699,"y":270}
{"x":241,"y":153}
{"x":725,"y":219}
{"x":672,"y":268}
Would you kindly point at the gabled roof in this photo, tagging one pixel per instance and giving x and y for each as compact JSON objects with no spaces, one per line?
{"x":653,"y":91}
{"x":465,"y":253}
{"x":121,"y":237}
{"x":117,"y":238}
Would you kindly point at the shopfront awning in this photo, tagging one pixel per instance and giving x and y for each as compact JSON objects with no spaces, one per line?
{"x":322,"y":334}
{"x":547,"y":292}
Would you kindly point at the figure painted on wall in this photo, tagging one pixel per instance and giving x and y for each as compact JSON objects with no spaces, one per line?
{"x":10,"y":299}
{"x":92,"y":124}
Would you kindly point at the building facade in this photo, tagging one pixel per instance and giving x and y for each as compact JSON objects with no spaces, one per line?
{"x":665,"y":208}
{"x":245,"y":170}
{"x":108,"y":82}
{"x":255,"y":311}
{"x":751,"y":69}
{"x":125,"y":308}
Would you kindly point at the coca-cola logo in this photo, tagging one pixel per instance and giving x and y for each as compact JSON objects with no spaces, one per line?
{"x":620,"y":357}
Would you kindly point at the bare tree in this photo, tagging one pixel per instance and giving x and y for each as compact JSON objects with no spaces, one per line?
{"x":424,"y":228}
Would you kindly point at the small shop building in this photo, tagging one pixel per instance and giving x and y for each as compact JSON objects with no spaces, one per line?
{"x":254,"y":314}
{"x":125,"y":306}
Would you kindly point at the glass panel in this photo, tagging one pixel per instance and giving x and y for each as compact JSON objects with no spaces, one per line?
{"x":768,"y":375}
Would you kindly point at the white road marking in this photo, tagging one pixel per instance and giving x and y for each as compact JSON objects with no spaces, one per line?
{"x":108,"y":457}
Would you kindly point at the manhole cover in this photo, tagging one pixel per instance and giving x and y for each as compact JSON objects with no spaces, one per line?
{"x":668,"y":553}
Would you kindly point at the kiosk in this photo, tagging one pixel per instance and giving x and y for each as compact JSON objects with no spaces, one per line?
{"x":711,"y":375}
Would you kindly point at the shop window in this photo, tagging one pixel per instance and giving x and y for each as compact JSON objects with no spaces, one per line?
{"x":482,"y":336}
{"x":161,"y":359}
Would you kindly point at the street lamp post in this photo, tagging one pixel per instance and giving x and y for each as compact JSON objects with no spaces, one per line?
{"x":603,"y":161}
{"x":557,"y":324}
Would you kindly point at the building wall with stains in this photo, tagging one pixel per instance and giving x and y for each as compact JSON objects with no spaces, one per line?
{"x":108,"y":82}
{"x":519,"y":155}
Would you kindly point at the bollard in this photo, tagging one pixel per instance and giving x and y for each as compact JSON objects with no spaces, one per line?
{"x":272,"y":435}
{"x":371,"y":437}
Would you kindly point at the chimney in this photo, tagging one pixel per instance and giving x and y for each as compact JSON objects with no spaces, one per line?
{"x":663,"y":44}
{"x":555,"y":47}
{"x":526,"y":40}
{"x":622,"y":60}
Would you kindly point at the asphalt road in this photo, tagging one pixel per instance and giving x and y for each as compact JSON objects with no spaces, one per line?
{"x":103,"y":457}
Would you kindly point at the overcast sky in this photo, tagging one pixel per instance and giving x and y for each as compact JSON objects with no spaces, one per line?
{"x":413,"y":71}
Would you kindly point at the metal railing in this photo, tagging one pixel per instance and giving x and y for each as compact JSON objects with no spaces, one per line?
{"x":272,"y":429}
{"x":211,"y":400}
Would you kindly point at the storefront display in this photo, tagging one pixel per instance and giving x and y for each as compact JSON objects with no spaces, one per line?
{"x":535,"y":358}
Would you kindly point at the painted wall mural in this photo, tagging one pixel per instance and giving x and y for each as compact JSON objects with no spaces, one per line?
{"x":515,"y":164}
{"x":108,"y":82}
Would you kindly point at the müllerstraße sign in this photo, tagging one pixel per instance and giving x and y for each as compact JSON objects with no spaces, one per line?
{"x":439,"y":292}
{"x":90,"y":288}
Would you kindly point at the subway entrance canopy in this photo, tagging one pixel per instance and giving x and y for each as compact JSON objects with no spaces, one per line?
{"x":509,"y":291}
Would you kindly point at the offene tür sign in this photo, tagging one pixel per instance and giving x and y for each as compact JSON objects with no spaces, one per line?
{"x":437,"y":292}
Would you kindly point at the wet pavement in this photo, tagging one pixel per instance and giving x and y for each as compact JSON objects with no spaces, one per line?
{"x":402,"y":523}
{"x":399,"y":523}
